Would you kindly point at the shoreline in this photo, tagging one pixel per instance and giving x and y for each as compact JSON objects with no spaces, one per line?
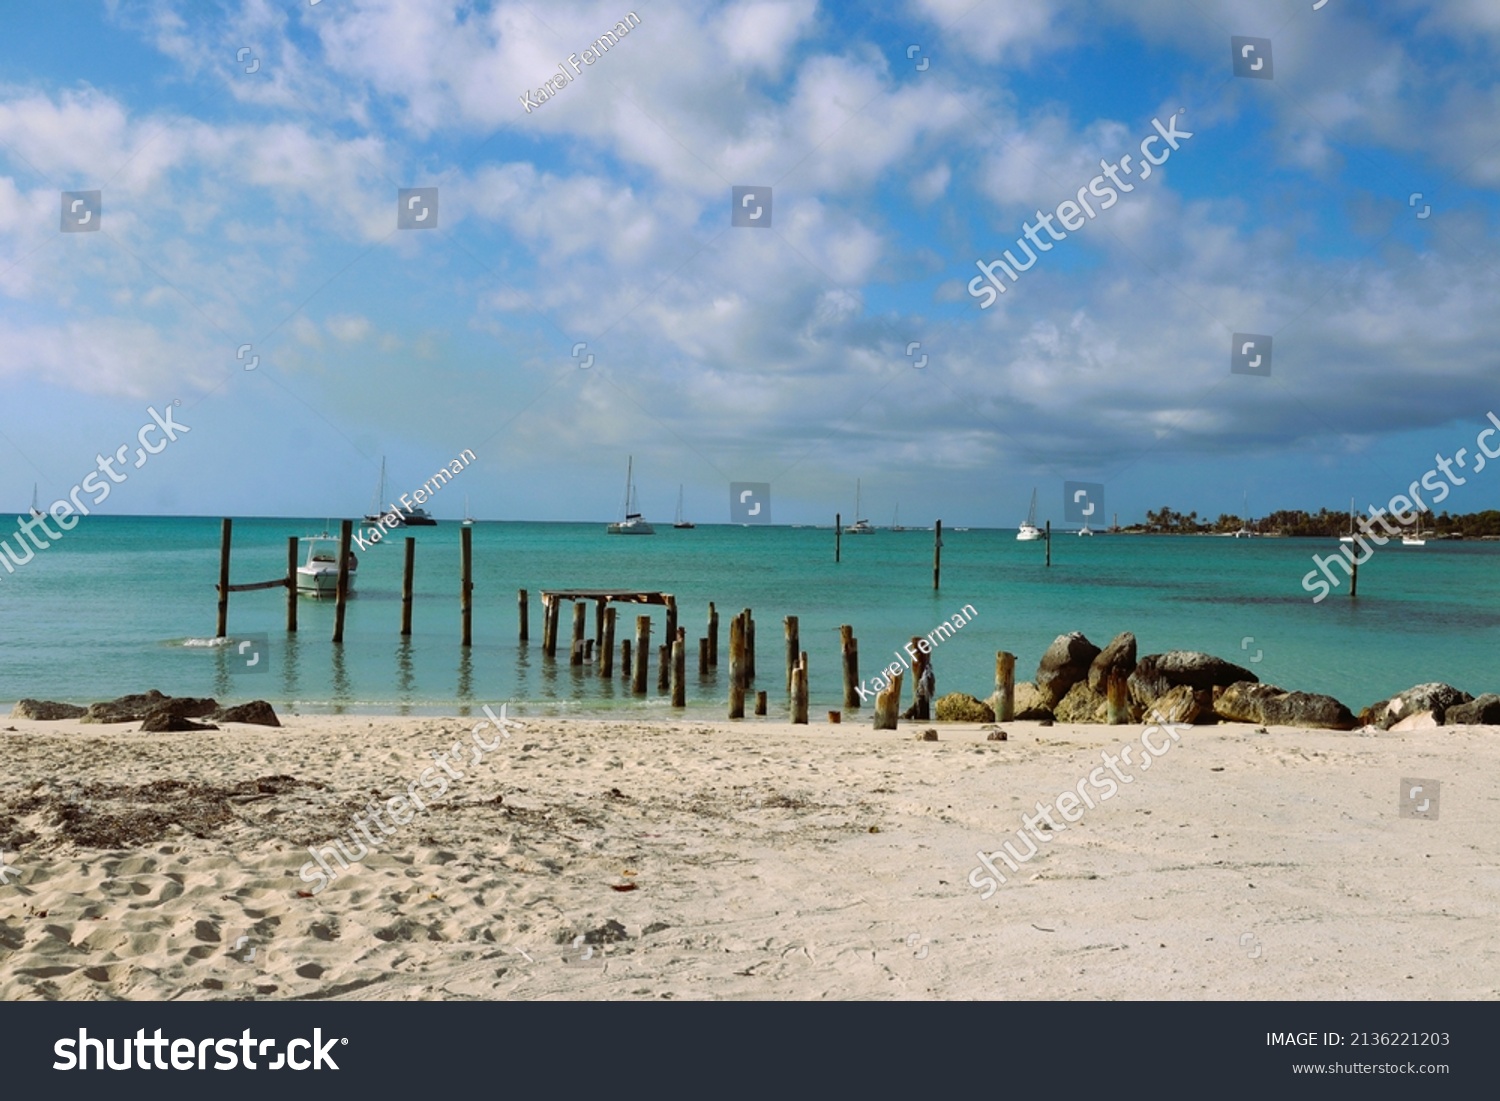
{"x":719,"y":860}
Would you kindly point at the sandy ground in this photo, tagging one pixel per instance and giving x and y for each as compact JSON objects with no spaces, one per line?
{"x":763,"y":861}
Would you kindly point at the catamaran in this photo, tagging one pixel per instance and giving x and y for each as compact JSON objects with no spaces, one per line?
{"x":680,"y":524}
{"x":1245,"y":532}
{"x":634,"y":523}
{"x":414,"y":517}
{"x":1029,"y":531}
{"x":859,"y":527}
{"x":36,"y":513}
{"x":1415,"y":538}
{"x":319,"y":575}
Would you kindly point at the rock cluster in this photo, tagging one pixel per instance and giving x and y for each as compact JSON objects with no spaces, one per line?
{"x":155,"y":712}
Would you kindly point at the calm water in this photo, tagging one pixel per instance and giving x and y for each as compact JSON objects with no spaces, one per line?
{"x":114,"y":606}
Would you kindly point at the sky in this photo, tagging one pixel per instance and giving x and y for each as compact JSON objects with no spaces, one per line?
{"x":582,"y":295}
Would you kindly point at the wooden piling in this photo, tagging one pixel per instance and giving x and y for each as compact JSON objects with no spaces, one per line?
{"x":1005,"y":686}
{"x":671,"y":620}
{"x":408,"y":577}
{"x":849,"y":650}
{"x":588,"y":651}
{"x":703,"y":657}
{"x":522,"y":612}
{"x":291,"y":584}
{"x":625,"y":659}
{"x":799,"y":691}
{"x":551,"y":608}
{"x":341,"y":595}
{"x":466,"y":590}
{"x":793,"y":648}
{"x":607,"y":647}
{"x":1049,"y":542}
{"x":642,"y":654}
{"x":713,"y":636}
{"x":1118,"y":689}
{"x":921,"y":703}
{"x":838,"y":535}
{"x":760,"y":703}
{"x":835,"y":716}
{"x":575,"y":652}
{"x":226,"y":530}
{"x":937,"y":553}
{"x":679,"y":669}
{"x":1353,"y":577}
{"x":663,"y":667}
{"x":888,"y":704}
{"x":737,"y":667}
{"x":749,"y":648}
{"x":599,"y":606}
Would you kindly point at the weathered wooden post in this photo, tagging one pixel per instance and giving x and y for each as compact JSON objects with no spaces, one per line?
{"x":549,"y":624}
{"x":663,"y":667}
{"x":575,"y":654}
{"x":522,"y":610}
{"x":1005,"y":686}
{"x":291,"y":584}
{"x":466,"y":592}
{"x":1353,"y":577}
{"x":888,"y":704}
{"x":607,"y":646}
{"x":760,"y":703}
{"x":703,"y":657}
{"x":937,"y":553}
{"x":749,"y":648}
{"x":226,"y":529}
{"x":792,"y":649}
{"x":625,"y":659}
{"x":598,"y":622}
{"x":713,"y":636}
{"x":679,"y":669}
{"x":1049,"y":542}
{"x":642,"y":654}
{"x":849,"y":649}
{"x":408,"y":580}
{"x":799,"y":691}
{"x":1118,"y":688}
{"x":671,"y":619}
{"x":341,"y":594}
{"x":737,"y":667}
{"x":838,"y":534}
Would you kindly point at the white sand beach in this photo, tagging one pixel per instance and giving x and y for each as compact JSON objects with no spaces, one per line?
{"x":761,"y":861}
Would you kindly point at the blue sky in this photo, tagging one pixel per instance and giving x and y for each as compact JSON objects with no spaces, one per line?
{"x":259,"y":208}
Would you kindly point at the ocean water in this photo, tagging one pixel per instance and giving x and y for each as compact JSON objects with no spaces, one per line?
{"x":123,"y":604}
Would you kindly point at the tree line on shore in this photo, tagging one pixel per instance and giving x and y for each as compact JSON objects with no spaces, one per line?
{"x":1323,"y":523}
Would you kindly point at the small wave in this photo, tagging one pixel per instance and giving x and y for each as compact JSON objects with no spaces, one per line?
{"x":209,"y":642}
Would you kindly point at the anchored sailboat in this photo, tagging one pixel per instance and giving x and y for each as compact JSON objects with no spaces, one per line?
{"x":859,"y":527}
{"x":1029,"y":531}
{"x":36,"y":513}
{"x":634,"y":523}
{"x":679,"y":523}
{"x":1350,"y":537}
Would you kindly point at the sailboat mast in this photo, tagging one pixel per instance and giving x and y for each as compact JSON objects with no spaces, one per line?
{"x":629,"y":473}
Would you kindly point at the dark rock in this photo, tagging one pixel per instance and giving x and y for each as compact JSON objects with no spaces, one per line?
{"x":1065,"y":663}
{"x":928,"y":735}
{"x":956,"y":707}
{"x":997,"y":736}
{"x":1247,"y":702}
{"x":1157,"y":674}
{"x":46,"y":710}
{"x":131,"y":709}
{"x":1182,"y":704}
{"x":1433,"y":696}
{"x":1081,"y":706}
{"x":1119,"y":654}
{"x":258,"y":712}
{"x":159,"y":722}
{"x":1481,"y":711}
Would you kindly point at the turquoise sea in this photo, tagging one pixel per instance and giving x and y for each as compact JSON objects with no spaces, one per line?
{"x":123,"y":604}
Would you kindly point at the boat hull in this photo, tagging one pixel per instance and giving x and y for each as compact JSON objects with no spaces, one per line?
{"x":321,"y":583}
{"x":1029,"y":534}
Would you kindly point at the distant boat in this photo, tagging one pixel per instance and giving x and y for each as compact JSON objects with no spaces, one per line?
{"x":468,"y":520}
{"x":859,"y":527}
{"x":1415,"y":538}
{"x":414,"y":517}
{"x":896,"y":520}
{"x":680,"y":523}
{"x":1245,"y":532}
{"x":1350,"y":537}
{"x":36,"y":513}
{"x":319,"y":575}
{"x":1029,"y":531}
{"x":634,"y":523}
{"x":1085,"y":529}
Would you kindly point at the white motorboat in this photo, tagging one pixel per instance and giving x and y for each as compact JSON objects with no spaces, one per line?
{"x":634,"y":523}
{"x":859,"y":527}
{"x":318,"y":577}
{"x":1029,"y":531}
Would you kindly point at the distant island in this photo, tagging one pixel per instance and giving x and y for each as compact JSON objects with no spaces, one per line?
{"x":1325,"y":523}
